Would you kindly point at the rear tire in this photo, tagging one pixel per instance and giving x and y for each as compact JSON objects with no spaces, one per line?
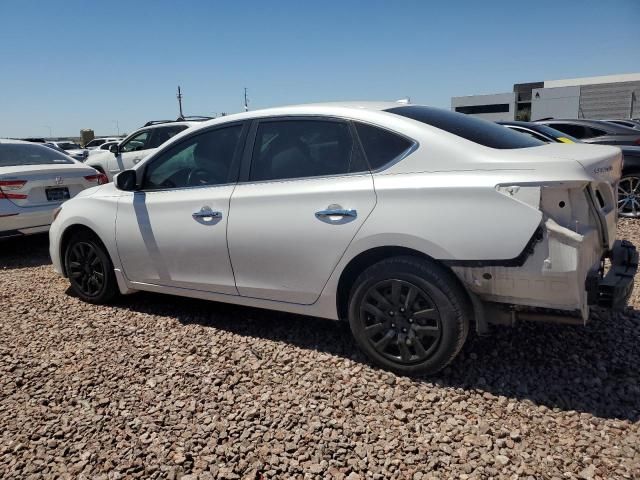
{"x":629,"y":196}
{"x":89,"y":269}
{"x":409,"y":315}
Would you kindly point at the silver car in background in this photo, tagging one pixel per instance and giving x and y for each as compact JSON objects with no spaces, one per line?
{"x":34,"y":180}
{"x":72,"y":149}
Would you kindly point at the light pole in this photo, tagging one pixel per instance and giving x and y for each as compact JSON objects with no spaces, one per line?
{"x":47,"y":126}
{"x":117,"y":126}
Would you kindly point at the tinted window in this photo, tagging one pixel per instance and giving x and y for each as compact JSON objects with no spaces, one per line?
{"x":470,"y":128}
{"x":162,"y":134}
{"x":595,"y":132}
{"x":381,"y":146}
{"x":136,"y":143}
{"x":95,"y":143}
{"x":201,"y":160}
{"x":68,"y":146}
{"x":577,"y":131}
{"x":303,"y":148}
{"x":492,"y":108}
{"x":553,"y":133}
{"x":12,"y":154}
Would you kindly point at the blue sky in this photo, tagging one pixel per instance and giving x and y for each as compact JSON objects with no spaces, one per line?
{"x":84,"y":64}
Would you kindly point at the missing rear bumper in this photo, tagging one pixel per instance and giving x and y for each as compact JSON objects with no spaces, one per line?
{"x":613,"y":289}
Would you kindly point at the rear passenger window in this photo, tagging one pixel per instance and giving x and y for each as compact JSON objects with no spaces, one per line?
{"x":304,"y":148}
{"x":380,"y":146}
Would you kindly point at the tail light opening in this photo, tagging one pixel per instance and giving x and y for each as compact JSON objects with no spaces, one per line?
{"x":7,"y":185}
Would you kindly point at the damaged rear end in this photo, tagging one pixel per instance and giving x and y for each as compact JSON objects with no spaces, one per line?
{"x":573,"y":261}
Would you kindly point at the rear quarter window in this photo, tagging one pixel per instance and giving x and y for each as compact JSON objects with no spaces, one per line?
{"x":381,"y":146}
{"x":470,"y":128}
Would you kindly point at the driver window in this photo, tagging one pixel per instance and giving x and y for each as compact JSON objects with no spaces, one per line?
{"x":201,"y":160}
{"x":136,"y":143}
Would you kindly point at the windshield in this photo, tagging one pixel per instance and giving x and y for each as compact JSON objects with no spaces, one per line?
{"x":470,"y":128}
{"x":69,"y":146}
{"x":13,"y":154}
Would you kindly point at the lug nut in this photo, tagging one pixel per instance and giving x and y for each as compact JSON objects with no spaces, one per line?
{"x":393,"y":325}
{"x":411,"y":320}
{"x":404,"y":330}
{"x":401,"y":310}
{"x":391,"y":314}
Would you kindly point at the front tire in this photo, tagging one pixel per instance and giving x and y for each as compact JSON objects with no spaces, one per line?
{"x":409,"y":315}
{"x":89,"y":269}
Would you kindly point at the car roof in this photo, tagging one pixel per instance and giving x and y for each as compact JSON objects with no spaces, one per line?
{"x":327,"y":108}
{"x":20,"y":142}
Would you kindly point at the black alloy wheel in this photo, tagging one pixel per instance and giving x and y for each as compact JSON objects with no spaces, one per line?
{"x":409,"y":314}
{"x":401,"y":321}
{"x":86,"y":269}
{"x":89,"y":268}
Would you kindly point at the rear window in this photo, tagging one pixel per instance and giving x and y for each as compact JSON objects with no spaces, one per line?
{"x":380,"y":146}
{"x":14,"y":154}
{"x":470,"y":128}
{"x":69,"y":146}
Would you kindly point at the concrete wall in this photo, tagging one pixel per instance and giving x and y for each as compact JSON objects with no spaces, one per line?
{"x":610,"y":100}
{"x":575,"y":82}
{"x":508,"y":99}
{"x":561,"y":102}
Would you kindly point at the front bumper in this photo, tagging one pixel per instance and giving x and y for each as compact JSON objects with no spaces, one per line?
{"x":613,"y":289}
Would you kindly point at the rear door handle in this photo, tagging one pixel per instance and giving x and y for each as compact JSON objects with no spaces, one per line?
{"x":337,"y":212}
{"x":206,"y":213}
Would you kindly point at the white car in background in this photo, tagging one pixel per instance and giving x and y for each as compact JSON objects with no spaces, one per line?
{"x":412,"y":223}
{"x":34,"y":180}
{"x":105,"y":147}
{"x":72,"y":149}
{"x":97,"y":142}
{"x":135,"y":147}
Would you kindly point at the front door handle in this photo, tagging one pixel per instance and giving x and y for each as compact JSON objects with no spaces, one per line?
{"x":206,"y":213}
{"x":337,"y":212}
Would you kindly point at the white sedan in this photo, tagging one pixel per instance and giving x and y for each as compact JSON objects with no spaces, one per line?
{"x":34,"y":180}
{"x":413,"y":224}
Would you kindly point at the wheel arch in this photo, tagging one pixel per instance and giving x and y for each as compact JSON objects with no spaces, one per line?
{"x":66,"y":237}
{"x":365,"y":259}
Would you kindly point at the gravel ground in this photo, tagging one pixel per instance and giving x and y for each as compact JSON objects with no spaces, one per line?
{"x":164,"y":387}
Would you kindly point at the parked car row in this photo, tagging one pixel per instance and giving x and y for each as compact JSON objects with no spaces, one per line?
{"x":34,"y":180}
{"x":413,"y":224}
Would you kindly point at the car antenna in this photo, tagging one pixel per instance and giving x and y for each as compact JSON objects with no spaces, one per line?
{"x":179,"y":97}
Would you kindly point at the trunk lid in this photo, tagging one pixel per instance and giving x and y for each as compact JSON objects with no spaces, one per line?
{"x":37,"y":185}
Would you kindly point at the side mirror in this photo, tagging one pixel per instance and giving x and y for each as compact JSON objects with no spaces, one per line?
{"x":114,"y":149}
{"x":126,"y":180}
